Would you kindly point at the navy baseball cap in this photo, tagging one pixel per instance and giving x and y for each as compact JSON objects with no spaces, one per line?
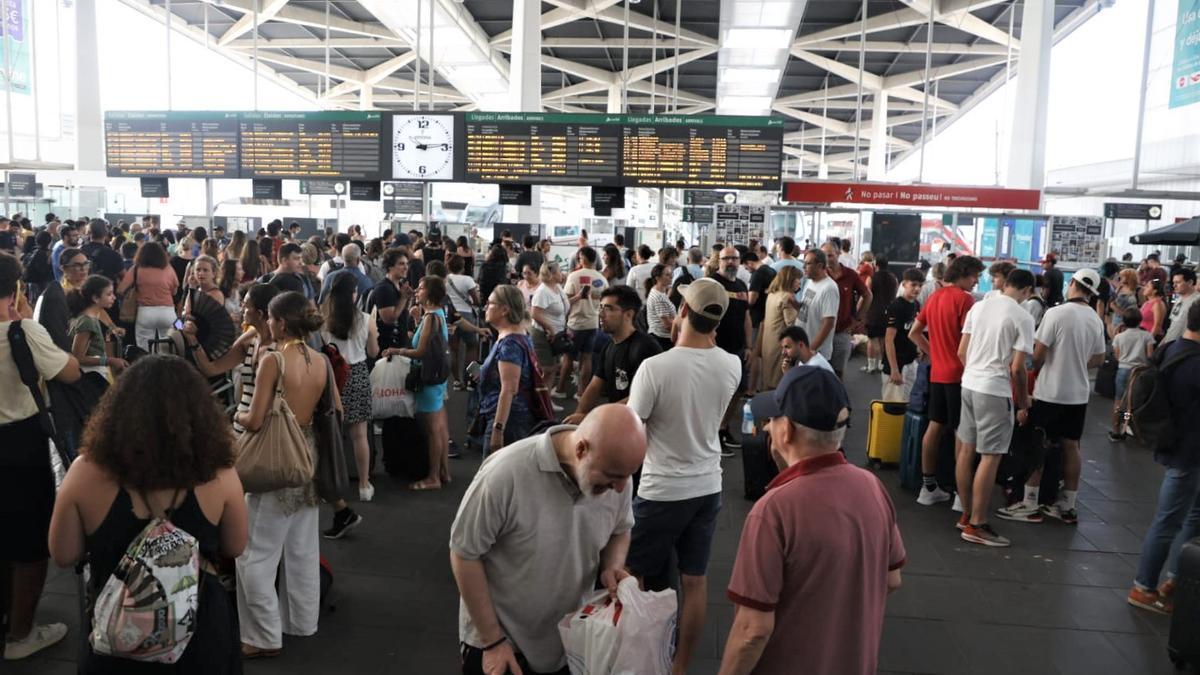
{"x":401,"y":239}
{"x":807,"y":395}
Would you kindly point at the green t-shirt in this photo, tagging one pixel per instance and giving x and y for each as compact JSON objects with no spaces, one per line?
{"x":91,"y":325}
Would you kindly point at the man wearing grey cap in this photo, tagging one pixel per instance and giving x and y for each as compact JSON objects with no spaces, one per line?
{"x":820,"y":551}
{"x":681,"y":396}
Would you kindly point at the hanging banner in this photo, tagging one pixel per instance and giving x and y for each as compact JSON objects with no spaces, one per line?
{"x":955,"y":196}
{"x":1077,"y":239}
{"x":18,"y":43}
{"x":1185,"y":70}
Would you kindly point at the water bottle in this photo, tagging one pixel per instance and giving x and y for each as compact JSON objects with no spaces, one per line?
{"x":747,"y":420}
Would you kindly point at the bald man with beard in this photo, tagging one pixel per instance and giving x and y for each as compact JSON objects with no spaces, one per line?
{"x":541,"y":518}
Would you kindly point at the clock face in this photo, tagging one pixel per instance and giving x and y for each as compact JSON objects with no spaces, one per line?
{"x":423,"y":147}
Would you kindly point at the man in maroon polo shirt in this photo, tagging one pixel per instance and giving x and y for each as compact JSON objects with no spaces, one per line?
{"x":820,"y":551}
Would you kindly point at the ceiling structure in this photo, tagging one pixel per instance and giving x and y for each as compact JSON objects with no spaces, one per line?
{"x":798,"y":59}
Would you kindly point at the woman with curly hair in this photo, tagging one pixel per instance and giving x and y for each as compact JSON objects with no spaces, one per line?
{"x":174,"y":458}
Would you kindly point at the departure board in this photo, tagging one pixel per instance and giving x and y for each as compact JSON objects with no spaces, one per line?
{"x":552,"y":149}
{"x":171,"y":144}
{"x":702,"y":152}
{"x":345,"y":145}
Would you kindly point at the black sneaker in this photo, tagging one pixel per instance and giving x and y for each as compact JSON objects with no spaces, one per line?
{"x":728,"y":440}
{"x":454,"y":452}
{"x":343,"y":523}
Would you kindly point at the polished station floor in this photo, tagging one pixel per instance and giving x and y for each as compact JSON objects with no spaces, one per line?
{"x":1053,"y":603}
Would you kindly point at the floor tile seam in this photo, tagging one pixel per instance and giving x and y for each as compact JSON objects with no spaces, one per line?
{"x":1007,"y":624}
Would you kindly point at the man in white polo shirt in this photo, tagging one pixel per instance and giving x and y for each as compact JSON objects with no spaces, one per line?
{"x":997,"y":338}
{"x":681,"y":395}
{"x":1070,"y":340}
{"x":541,"y":518}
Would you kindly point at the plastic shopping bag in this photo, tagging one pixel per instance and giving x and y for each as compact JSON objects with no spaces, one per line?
{"x":388,"y":395}
{"x":629,"y":635}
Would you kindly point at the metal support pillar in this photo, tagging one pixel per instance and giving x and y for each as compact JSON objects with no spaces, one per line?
{"x":90,"y":127}
{"x":208,"y":201}
{"x":525,"y":81}
{"x":878,"y":150}
{"x":1027,"y":153}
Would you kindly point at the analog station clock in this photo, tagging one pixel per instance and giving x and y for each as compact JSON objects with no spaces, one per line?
{"x":423,"y":147}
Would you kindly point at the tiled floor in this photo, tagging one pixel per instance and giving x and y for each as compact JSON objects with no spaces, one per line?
{"x":1053,"y":603}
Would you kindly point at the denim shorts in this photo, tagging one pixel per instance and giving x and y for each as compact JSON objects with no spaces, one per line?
{"x":685,"y":527}
{"x":582,"y":341}
{"x":1122,"y":383}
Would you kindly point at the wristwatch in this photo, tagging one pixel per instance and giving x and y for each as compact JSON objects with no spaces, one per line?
{"x":498,"y":426}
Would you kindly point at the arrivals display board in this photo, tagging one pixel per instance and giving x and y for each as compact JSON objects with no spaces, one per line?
{"x":327,"y":144}
{"x":171,"y":144}
{"x":537,"y":148}
{"x":706,"y":151}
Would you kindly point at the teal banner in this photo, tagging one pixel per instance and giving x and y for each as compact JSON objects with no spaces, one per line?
{"x":17,"y":43}
{"x":1185,"y":71}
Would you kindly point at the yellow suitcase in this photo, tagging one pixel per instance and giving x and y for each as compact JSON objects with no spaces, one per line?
{"x":885,"y":431}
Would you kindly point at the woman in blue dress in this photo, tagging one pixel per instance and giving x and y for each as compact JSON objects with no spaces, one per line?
{"x":430,"y":399}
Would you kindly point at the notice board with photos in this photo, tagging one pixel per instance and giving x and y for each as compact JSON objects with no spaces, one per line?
{"x":1077,"y":239}
{"x":739,"y":223}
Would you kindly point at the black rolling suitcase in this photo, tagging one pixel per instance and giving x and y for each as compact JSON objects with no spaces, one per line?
{"x":758,"y":468}
{"x":1106,"y":377}
{"x":1183,"y":645}
{"x":405,"y":448}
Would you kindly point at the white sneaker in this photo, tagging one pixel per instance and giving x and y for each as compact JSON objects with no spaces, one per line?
{"x":929,"y":497}
{"x":555,"y":407}
{"x":957,"y":504}
{"x":366,"y":494}
{"x":1021,"y":513}
{"x":38,"y":639}
{"x":560,"y":395}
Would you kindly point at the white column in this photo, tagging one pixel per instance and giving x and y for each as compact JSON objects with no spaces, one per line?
{"x":525,"y":80}
{"x":877,"y":154}
{"x":614,"y":100}
{"x":89,"y":125}
{"x":1027,"y":153}
{"x":366,"y":97}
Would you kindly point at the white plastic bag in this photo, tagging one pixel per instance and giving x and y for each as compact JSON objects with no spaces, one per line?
{"x":388,"y":396}
{"x":631,"y":635}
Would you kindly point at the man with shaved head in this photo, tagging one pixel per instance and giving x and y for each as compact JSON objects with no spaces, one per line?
{"x":541,"y":518}
{"x":352,"y":264}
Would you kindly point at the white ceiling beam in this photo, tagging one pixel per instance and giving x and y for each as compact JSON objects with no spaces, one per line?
{"x":888,"y":47}
{"x":643,"y":87}
{"x":839,"y":104}
{"x":901,"y":18}
{"x":595,"y":43}
{"x":315,"y":19}
{"x":315,"y":67}
{"x":958,"y":15}
{"x":588,"y":87}
{"x":592,"y":73}
{"x":819,"y":95}
{"x":649,"y":69}
{"x":565,"y":11}
{"x":317,"y":43}
{"x":266,"y":12}
{"x":914,"y":77}
{"x":836,"y":126}
{"x":870,"y":81}
{"x":694,"y":109}
{"x":649,"y":24}
{"x":564,"y":107}
{"x":372,"y":76}
{"x":405,"y":84}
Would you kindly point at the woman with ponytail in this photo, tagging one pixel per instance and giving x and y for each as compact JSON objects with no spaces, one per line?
{"x":283,"y":523}
{"x":91,"y":340}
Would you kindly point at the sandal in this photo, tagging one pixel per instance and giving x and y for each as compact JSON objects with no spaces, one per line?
{"x":425,"y":485}
{"x":249,"y":653}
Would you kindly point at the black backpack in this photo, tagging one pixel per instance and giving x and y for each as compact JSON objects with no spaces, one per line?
{"x":1147,"y":401}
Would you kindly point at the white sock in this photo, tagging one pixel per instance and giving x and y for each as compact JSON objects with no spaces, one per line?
{"x":1031,"y":495}
{"x":1069,"y":498}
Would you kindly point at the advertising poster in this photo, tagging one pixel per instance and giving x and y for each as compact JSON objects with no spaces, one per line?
{"x":1185,"y":69}
{"x":18,"y":43}
{"x":1077,"y":239}
{"x":739,"y":223}
{"x":989,"y":237}
{"x":1024,"y":233}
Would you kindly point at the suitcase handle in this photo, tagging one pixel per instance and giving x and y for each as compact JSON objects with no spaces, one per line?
{"x":895,"y":407}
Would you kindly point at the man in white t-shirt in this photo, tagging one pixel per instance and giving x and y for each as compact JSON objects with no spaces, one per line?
{"x":793,"y":344}
{"x":1070,"y":340}
{"x":583,"y":292}
{"x":681,"y":395}
{"x":997,"y":339}
{"x":819,"y":301}
{"x":639,"y":273}
{"x":1184,"y":280}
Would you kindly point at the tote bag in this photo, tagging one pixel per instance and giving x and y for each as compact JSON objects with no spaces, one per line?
{"x":276,"y":456}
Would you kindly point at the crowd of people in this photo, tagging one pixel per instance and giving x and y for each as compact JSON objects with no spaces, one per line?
{"x":664,"y":352}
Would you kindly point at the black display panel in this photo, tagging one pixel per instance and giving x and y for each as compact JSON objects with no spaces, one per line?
{"x":517,"y":194}
{"x":702,"y":152}
{"x":266,"y":188}
{"x":155,"y":187}
{"x":347,"y":145}
{"x":608,"y":198}
{"x":534,"y":148}
{"x":364,"y":191}
{"x":171,"y":144}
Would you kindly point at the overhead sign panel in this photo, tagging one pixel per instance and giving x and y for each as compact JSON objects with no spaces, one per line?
{"x":312,"y":145}
{"x":22,"y":184}
{"x":171,"y":144}
{"x":549,"y":149}
{"x":1130,"y":211}
{"x":950,"y":196}
{"x":1185,"y":68}
{"x":702,"y":151}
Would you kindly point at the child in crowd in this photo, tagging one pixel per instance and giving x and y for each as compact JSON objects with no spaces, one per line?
{"x":1132,"y":347}
{"x":900,"y":354}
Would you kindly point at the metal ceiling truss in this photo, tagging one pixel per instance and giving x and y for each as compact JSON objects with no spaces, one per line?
{"x":366,"y":63}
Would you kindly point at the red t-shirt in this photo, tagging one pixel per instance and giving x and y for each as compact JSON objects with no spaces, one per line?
{"x":816,"y":549}
{"x":943,"y":315}
{"x":848,"y":284}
